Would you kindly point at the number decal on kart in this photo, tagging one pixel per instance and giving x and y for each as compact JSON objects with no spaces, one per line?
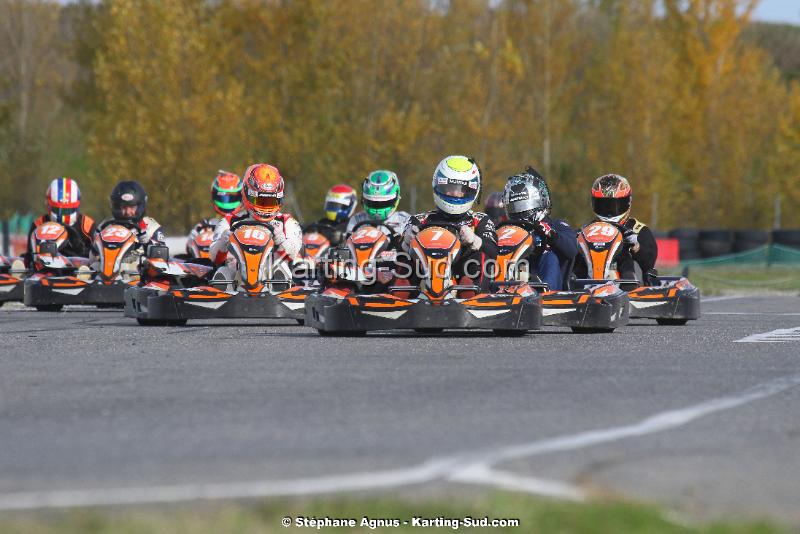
{"x":436,"y":235}
{"x":115,"y":233}
{"x":255,"y":233}
{"x":602,"y":229}
{"x":368,"y":232}
{"x":49,"y":231}
{"x":507,"y":233}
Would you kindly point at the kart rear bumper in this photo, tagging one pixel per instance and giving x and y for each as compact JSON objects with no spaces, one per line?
{"x":675,"y":299}
{"x":11,"y":288}
{"x":211,"y":303}
{"x":387,"y":312}
{"x":587,"y":309}
{"x":64,"y":290}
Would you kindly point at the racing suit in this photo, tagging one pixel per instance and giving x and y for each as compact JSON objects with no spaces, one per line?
{"x":397,"y":222}
{"x":561,"y":247}
{"x":148,"y":232}
{"x":473,"y":262}
{"x":286,"y":233}
{"x":78,"y":243}
{"x":645,"y":256}
{"x":199,"y":227}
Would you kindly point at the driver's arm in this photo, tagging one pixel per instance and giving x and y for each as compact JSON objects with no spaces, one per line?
{"x":565,"y":244}
{"x":218,"y":251}
{"x":648,"y":249}
{"x":486,"y":231}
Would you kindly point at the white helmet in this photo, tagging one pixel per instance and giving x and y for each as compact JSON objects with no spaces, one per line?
{"x":456,"y":184}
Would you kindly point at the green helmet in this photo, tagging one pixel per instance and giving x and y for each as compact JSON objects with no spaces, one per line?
{"x":380,"y":194}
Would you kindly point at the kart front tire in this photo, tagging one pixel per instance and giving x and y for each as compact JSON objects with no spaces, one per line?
{"x":161,"y":322}
{"x":509,"y":333}
{"x":672,"y":322}
{"x":350,"y":333}
{"x":50,"y":307}
{"x":429,"y":330}
{"x":583,"y":330}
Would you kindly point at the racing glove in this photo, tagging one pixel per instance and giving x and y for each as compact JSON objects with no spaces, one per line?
{"x":546,"y":232}
{"x":408,"y":236}
{"x":631,"y":239}
{"x":469,"y":238}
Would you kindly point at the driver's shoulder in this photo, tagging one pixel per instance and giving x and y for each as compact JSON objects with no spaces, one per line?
{"x":635,"y":224}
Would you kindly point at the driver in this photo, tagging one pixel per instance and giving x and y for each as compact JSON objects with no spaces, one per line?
{"x":456,"y":189}
{"x":527,"y":198}
{"x":263,"y":199}
{"x":380,"y":196}
{"x":226,"y":197}
{"x":611,"y":203}
{"x":340,"y":203}
{"x":63,"y":199}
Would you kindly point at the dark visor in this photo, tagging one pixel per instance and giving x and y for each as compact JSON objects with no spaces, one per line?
{"x":454,"y":190}
{"x":611,"y":207}
{"x":379,"y":204}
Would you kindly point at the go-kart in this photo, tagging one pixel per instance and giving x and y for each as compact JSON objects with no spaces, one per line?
{"x":357,"y":299}
{"x":198,"y":246}
{"x":592,"y":307}
{"x":315,"y":245}
{"x":670,"y":300}
{"x":58,"y":280}
{"x":262,"y":287}
{"x":12,"y":279}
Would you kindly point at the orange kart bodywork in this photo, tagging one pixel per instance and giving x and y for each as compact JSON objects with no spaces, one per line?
{"x":58,"y":280}
{"x":670,"y":300}
{"x":343,"y":310}
{"x":252,"y":246}
{"x":12,"y":281}
{"x":602,"y":307}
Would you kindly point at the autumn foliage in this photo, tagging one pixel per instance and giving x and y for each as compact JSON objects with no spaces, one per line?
{"x":667,"y":93}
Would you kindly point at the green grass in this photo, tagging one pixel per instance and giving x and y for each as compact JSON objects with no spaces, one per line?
{"x":718,"y":280}
{"x":534,"y":514}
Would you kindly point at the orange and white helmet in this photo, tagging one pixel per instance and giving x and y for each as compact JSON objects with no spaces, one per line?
{"x":263,"y":191}
{"x":611,"y":198}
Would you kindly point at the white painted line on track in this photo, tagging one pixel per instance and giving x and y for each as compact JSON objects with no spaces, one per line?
{"x":781,"y":335}
{"x":470,"y":467}
{"x":725,"y":297}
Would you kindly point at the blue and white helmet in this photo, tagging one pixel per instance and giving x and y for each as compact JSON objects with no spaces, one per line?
{"x":456,"y":184}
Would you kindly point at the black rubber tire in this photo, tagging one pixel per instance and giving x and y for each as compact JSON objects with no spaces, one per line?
{"x":715,"y":243}
{"x":353,"y":333}
{"x":582,"y":330}
{"x":161,"y":322}
{"x":744,"y":240}
{"x":1,"y":303}
{"x":788,"y":238}
{"x":688,"y":234}
{"x":50,"y":307}
{"x":672,"y":322}
{"x":509,"y":333}
{"x":429,"y":330}
{"x":301,"y":322}
{"x":109,"y":306}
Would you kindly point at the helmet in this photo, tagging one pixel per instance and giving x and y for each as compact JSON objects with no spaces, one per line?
{"x":527,"y":196}
{"x":263,"y":191}
{"x":226,"y":193}
{"x":456,"y":184}
{"x":611,"y":198}
{"x":380,"y":194}
{"x":496,"y":207}
{"x":340,"y":203}
{"x":63,"y":200}
{"x":128,"y":193}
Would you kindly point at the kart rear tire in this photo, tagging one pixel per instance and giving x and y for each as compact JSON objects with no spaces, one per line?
{"x":672,"y":322}
{"x":429,"y":330}
{"x":509,"y":333}
{"x":161,"y":322}
{"x":351,"y":333}
{"x":584,"y":330}
{"x":49,"y":307}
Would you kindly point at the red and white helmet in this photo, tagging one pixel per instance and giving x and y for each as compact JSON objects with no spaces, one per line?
{"x":263,"y":191}
{"x":63,"y":200}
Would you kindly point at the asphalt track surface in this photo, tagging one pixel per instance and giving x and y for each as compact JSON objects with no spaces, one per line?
{"x":97,"y":410}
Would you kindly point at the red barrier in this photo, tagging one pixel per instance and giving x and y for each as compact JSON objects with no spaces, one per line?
{"x":668,"y":253}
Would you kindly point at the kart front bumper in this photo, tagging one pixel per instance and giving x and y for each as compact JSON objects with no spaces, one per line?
{"x":386,"y":312}
{"x":11,"y":288}
{"x":601,"y":308}
{"x":64,"y":290}
{"x":211,"y":303}
{"x":675,"y":299}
